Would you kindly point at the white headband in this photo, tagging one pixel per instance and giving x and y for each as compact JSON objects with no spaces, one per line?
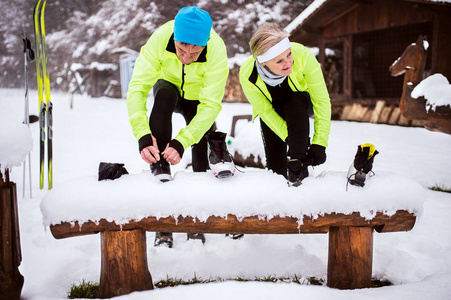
{"x":274,"y":50}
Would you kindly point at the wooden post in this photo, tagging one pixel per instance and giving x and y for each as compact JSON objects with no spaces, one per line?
{"x":350,"y":257}
{"x":124,"y":263}
{"x":11,"y":281}
{"x":236,"y":119}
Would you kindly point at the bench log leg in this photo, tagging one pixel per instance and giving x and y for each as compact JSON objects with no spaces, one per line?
{"x":11,"y":281}
{"x":124,"y":263}
{"x":350,"y":257}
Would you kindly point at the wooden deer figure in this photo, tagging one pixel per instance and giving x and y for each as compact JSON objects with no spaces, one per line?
{"x":412,"y":63}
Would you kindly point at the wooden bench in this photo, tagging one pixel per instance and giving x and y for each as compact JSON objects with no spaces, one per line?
{"x":238,"y":159}
{"x":124,"y":267}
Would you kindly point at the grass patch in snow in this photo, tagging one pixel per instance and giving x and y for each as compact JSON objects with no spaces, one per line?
{"x":86,"y":290}
{"x":440,"y":188}
{"x":170,"y":282}
{"x":89,"y":290}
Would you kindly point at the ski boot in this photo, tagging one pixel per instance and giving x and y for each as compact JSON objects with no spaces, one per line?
{"x":362,"y":165}
{"x":297,"y":171}
{"x":161,"y":170}
{"x":164,"y":238}
{"x":196,"y":236}
{"x":235,"y":236}
{"x":220,"y":160}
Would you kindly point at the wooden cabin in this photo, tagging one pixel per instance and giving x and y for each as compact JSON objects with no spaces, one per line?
{"x":358,"y":40}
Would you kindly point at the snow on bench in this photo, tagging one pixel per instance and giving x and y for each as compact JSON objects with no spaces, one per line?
{"x":255,"y":202}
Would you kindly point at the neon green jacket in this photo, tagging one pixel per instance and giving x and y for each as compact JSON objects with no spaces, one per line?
{"x":306,"y":76}
{"x":203,"y":80}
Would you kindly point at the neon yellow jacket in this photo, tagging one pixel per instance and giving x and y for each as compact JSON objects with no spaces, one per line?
{"x":306,"y":76}
{"x":203,"y":80}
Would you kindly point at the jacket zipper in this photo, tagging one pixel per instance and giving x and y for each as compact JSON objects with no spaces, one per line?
{"x":183,"y":81}
{"x":297,"y":90}
{"x":267,"y":96}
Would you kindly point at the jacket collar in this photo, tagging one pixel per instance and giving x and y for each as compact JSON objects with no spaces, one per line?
{"x":254,"y":76}
{"x":171,"y":48}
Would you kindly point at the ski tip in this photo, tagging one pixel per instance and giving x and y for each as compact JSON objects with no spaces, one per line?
{"x":294,"y":184}
{"x":164,"y":177}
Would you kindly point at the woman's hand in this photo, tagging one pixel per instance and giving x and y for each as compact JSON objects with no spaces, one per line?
{"x":316,"y":154}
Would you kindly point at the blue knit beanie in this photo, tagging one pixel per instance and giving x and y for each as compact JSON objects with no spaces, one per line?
{"x":192,"y":26}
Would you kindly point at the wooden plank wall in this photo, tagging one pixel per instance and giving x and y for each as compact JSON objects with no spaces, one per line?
{"x":371,"y":16}
{"x":381,"y":113}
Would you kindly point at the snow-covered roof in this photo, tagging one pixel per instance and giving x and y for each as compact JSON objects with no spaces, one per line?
{"x":304,"y":15}
{"x":316,"y":4}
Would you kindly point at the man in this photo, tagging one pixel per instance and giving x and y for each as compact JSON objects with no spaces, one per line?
{"x":185,"y":62}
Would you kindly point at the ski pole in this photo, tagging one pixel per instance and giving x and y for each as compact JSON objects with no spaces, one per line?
{"x":28,"y":56}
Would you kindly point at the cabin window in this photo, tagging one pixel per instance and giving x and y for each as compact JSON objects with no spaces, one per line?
{"x":333,"y":66}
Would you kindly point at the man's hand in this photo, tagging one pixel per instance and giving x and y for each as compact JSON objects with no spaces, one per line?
{"x":171,"y":155}
{"x":151,"y":154}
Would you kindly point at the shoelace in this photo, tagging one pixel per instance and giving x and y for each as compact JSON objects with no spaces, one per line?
{"x":219,"y":152}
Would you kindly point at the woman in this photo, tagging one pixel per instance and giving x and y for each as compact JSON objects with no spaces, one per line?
{"x":283,"y":81}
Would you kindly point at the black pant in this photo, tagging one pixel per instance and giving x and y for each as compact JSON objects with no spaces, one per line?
{"x":167,"y":101}
{"x":295,"y":110}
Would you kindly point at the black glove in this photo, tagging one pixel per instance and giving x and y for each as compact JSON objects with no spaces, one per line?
{"x":111,"y":171}
{"x":316,"y":154}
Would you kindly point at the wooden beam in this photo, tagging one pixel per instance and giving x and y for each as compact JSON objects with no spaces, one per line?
{"x":400,"y":221}
{"x":250,"y":161}
{"x":236,"y":119}
{"x":338,"y":16}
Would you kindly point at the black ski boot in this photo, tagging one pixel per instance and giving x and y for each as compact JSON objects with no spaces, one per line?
{"x":297,"y":171}
{"x":362,"y":165}
{"x":219,"y":158}
{"x":235,"y":236}
{"x":196,"y":236}
{"x":163,"y":238}
{"x":161,"y":170}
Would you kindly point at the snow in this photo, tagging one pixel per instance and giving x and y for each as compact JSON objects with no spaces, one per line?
{"x":238,"y":59}
{"x":103,"y":67}
{"x":435,"y":89}
{"x":418,"y":262}
{"x":68,"y":203}
{"x":304,"y":15}
{"x":16,"y":141}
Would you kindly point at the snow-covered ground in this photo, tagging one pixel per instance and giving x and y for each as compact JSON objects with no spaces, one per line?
{"x":418,"y":262}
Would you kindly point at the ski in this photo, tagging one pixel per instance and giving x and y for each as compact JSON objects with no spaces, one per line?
{"x":48,"y":102}
{"x":42,"y":109}
{"x":45,"y":103}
